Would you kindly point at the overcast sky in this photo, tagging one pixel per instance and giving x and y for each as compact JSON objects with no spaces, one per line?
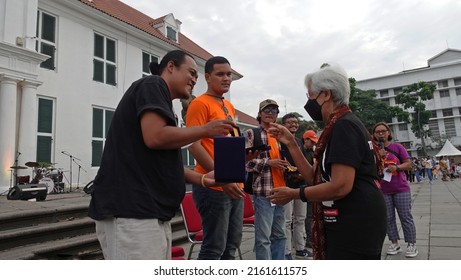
{"x":274,"y":44}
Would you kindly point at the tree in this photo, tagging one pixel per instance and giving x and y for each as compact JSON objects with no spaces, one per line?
{"x":412,"y":97}
{"x":369,"y":109}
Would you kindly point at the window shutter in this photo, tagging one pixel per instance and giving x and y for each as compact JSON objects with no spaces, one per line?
{"x":44,"y":148}
{"x":98,"y":46}
{"x":110,"y":74}
{"x":48,"y":50}
{"x":96,"y":154}
{"x":48,"y":28}
{"x":145,"y":62}
{"x":98,"y":71}
{"x":109,"y":115}
{"x":110,"y":50}
{"x":97,"y":122}
{"x":45,"y":115}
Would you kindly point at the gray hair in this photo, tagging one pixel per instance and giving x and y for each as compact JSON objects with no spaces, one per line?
{"x":332,"y":78}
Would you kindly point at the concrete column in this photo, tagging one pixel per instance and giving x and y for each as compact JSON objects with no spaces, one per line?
{"x":27,"y":142}
{"x":8,"y":129}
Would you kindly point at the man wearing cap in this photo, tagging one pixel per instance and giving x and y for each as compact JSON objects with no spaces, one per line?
{"x":295,"y":210}
{"x":268,"y":169}
{"x":310,"y":139}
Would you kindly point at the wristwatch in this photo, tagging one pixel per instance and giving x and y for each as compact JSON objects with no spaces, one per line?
{"x":397,"y":168}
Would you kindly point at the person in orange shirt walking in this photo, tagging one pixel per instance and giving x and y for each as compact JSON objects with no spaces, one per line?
{"x":268,"y":169}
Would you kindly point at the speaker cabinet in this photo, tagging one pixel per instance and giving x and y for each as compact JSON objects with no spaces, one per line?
{"x":28,"y":191}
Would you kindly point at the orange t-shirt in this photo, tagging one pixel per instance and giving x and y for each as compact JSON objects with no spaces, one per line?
{"x":202,"y":110}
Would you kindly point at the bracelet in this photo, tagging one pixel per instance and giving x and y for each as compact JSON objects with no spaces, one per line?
{"x":202,"y":181}
{"x":302,"y":195}
{"x":397,"y":168}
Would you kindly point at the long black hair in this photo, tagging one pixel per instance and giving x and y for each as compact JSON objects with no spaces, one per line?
{"x":177,"y":56}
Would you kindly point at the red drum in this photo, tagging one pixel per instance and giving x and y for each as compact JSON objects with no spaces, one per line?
{"x":23,"y":179}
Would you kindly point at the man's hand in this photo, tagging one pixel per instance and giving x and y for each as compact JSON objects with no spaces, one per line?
{"x":233,"y":190}
{"x":278,"y":163}
{"x":218,"y":128}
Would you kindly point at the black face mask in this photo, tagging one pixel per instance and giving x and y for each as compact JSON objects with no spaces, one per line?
{"x":313,"y":108}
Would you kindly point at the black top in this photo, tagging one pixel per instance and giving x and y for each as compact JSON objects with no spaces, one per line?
{"x":357,"y":222}
{"x":133,"y":180}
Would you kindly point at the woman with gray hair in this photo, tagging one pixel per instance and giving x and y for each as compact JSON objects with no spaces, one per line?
{"x":349,"y":213}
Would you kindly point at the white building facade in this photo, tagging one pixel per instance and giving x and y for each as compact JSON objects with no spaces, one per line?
{"x":64,"y":66}
{"x":444,"y":70}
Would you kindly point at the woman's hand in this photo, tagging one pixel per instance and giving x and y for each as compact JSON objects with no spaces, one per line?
{"x":282,"y":196}
{"x":282,"y":134}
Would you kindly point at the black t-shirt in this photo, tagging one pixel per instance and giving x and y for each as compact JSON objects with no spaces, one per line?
{"x":134,"y":181}
{"x":357,"y":222}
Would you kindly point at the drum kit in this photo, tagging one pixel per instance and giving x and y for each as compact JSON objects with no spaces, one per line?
{"x":44,"y":174}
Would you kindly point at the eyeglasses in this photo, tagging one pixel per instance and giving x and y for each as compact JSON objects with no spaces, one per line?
{"x":270,"y":110}
{"x":381,"y":131}
{"x":310,"y":94}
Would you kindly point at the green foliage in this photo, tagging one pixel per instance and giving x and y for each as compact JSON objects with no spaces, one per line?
{"x":412,"y":97}
{"x":367,"y":108}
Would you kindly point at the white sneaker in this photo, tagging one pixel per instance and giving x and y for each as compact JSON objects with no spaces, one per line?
{"x":394,"y":249}
{"x":411,"y":251}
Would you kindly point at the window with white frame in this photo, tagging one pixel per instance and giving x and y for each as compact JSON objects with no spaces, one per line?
{"x":171,"y":33}
{"x":457,"y":81}
{"x":101,"y":123}
{"x":104,"y":60}
{"x":458,"y":91}
{"x":46,"y":39}
{"x":147,"y":58}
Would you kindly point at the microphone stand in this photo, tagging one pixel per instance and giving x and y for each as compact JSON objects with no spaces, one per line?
{"x":15,"y":169}
{"x":71,"y":158}
{"x":78,"y":177}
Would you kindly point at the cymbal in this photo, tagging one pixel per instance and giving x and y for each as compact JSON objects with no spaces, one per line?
{"x":18,"y":167}
{"x":32,"y":164}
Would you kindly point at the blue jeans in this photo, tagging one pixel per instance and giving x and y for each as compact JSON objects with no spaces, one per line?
{"x":429,"y":173}
{"x":222,"y":222}
{"x":269,"y":230}
{"x":417,"y":176}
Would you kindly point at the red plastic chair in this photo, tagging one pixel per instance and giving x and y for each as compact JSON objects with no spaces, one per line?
{"x":192,"y":222}
{"x":248,"y":212}
{"x":177,"y":253}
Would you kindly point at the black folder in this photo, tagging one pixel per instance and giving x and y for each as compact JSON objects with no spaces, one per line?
{"x":229,"y":159}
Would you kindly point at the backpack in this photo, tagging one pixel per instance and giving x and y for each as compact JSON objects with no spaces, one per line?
{"x":249,"y":175}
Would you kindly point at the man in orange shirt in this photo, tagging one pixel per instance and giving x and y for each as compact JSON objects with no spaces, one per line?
{"x":268,"y":173}
{"x":220,"y":208}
